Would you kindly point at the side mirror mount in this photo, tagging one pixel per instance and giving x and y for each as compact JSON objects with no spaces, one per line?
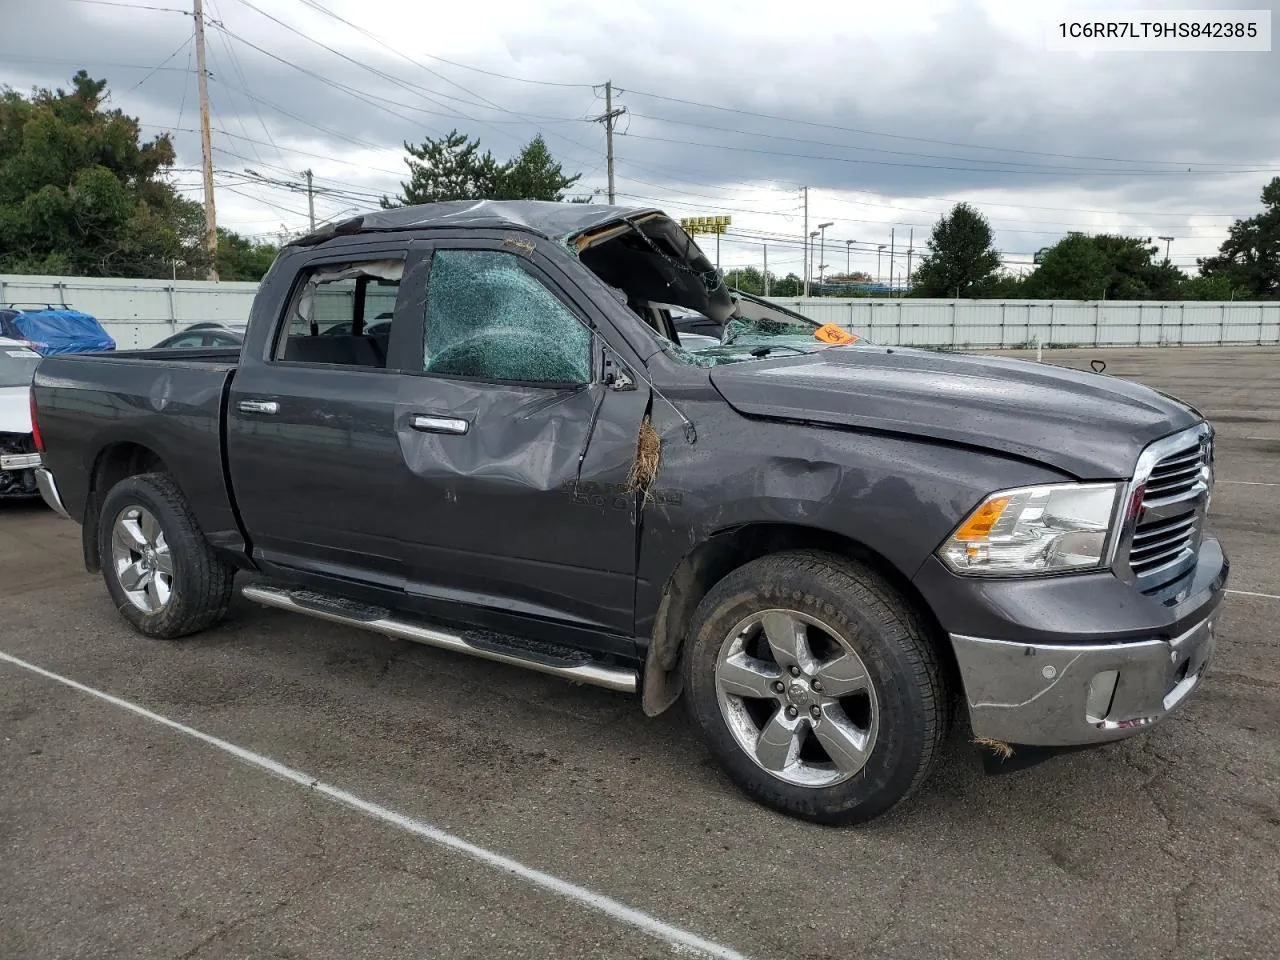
{"x":616,"y":376}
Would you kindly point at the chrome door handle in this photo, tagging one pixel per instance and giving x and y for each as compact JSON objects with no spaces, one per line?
{"x":428,"y":424}
{"x":258,"y":406}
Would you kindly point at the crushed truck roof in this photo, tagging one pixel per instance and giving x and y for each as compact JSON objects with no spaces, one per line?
{"x":555,"y":221}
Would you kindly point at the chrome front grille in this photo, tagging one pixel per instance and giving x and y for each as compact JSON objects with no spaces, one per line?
{"x":1168,"y":498}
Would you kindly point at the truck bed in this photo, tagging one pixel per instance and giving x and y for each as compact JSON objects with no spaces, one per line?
{"x":218,"y":356}
{"x":93,"y":408}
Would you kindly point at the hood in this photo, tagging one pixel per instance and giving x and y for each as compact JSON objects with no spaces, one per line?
{"x":15,"y":409}
{"x":1088,"y":425}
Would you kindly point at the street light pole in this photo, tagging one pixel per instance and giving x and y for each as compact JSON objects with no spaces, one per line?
{"x":1167,"y":242}
{"x":879,"y":251}
{"x":892,"y":250}
{"x":822,"y":249}
{"x":808,"y":259}
{"x":848,"y":254}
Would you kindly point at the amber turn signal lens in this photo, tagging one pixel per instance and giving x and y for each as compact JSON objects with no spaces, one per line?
{"x":980,"y":522}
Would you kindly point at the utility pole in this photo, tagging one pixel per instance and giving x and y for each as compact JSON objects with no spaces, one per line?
{"x":848,"y":270}
{"x":311,"y":199}
{"x":879,"y":252}
{"x":206,"y":142}
{"x":892,"y":231}
{"x":911,"y":249}
{"x":765,"y":278}
{"x":607,"y":118}
{"x":806,"y":241}
{"x":1167,"y":242}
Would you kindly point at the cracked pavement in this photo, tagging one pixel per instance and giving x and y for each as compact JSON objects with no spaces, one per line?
{"x":120,"y":838}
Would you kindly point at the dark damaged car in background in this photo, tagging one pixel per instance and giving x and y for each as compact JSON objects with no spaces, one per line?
{"x":826,"y":547}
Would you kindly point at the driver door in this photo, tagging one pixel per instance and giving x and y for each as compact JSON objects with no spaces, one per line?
{"x":517,"y":452}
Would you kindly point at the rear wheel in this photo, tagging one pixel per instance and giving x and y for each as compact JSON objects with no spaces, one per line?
{"x":162,"y":574}
{"x":816,"y":686}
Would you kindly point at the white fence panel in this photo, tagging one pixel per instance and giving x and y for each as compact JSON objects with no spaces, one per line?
{"x":136,"y":313}
{"x":140,"y":312}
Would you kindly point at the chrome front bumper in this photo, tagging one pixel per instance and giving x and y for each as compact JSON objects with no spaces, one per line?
{"x":49,"y":491}
{"x":1043,"y":695}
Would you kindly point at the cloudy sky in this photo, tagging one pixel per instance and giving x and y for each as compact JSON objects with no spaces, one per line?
{"x":888,"y":111}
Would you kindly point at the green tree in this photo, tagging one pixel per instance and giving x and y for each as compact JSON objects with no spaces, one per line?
{"x":962,"y":261}
{"x":81,"y":194}
{"x":788,"y":286}
{"x":748,"y":280}
{"x":1249,"y":259}
{"x":447,"y":168}
{"x":1009,"y":286}
{"x":241,"y":259}
{"x":1104,"y":267}
{"x":533,"y":175}
{"x":1214,"y":287}
{"x":1072,"y":269}
{"x":453,"y":168}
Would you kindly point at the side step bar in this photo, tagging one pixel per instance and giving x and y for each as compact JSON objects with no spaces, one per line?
{"x":545,"y":658}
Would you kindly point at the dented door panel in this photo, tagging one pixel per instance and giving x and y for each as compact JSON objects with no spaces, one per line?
{"x":527,"y":511}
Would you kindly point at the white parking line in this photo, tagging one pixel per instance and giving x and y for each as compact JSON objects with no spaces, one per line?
{"x":1249,"y":483}
{"x":680,"y":940}
{"x":1250,"y":593}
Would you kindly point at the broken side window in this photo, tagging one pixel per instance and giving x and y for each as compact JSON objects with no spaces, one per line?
{"x":341,"y":315}
{"x":489,"y":318}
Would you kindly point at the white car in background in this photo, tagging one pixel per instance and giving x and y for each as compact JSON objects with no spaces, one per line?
{"x":18,"y":455}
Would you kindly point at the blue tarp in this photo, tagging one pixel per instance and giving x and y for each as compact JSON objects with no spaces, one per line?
{"x":57,"y":331}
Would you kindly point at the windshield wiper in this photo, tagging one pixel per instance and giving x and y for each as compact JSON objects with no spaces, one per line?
{"x":765,"y":351}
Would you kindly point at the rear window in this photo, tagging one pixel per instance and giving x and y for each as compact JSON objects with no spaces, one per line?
{"x":17,"y":366}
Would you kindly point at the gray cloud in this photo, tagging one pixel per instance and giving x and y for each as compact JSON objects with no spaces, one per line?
{"x":973,"y":79}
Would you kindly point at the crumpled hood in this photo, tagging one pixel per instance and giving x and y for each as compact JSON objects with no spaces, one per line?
{"x":1088,"y":425}
{"x":15,"y":409}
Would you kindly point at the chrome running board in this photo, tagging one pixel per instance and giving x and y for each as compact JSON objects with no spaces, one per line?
{"x":545,"y":658}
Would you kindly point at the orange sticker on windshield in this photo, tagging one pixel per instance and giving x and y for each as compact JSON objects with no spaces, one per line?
{"x":830,"y":333}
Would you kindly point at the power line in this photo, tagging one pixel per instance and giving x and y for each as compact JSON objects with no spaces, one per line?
{"x":303,"y":120}
{"x":133,"y":6}
{"x":452,"y":63}
{"x":186,"y":81}
{"x":353,"y":92}
{"x":895,"y":136}
{"x":666,"y":187}
{"x":244,"y":82}
{"x":933,"y":166}
{"x":850,"y":146}
{"x":83,"y":62}
{"x":293,"y":150}
{"x":407,"y":86}
{"x":185,"y":43}
{"x":268,"y":203}
{"x":422,"y":66}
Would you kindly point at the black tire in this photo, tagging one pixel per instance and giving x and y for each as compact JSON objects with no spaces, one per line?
{"x":201,"y":583}
{"x":866,"y":612}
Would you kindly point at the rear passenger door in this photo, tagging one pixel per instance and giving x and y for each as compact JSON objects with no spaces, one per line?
{"x":312,"y":446}
{"x":518,"y":452}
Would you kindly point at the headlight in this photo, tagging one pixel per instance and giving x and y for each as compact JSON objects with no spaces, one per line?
{"x":1063,"y":526}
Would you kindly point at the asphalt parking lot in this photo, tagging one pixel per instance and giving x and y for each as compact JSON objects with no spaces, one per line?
{"x":122,"y":837}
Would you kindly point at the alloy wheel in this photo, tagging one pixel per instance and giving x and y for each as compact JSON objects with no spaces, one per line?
{"x":797,"y":698}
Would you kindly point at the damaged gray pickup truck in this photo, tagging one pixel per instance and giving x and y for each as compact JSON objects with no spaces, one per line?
{"x":472,"y":425}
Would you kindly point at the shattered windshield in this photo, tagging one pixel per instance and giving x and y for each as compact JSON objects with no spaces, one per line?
{"x":754,"y":338}
{"x":652,"y":265}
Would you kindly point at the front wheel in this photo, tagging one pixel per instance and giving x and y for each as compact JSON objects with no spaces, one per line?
{"x":816,"y":686}
{"x":161,"y":573}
